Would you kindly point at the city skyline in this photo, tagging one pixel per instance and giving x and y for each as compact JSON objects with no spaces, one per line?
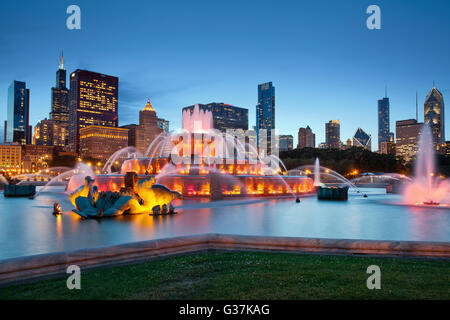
{"x":157,"y":77}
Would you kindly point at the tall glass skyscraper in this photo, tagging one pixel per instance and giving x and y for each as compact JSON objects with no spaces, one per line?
{"x":93,"y":100}
{"x":18,"y":129}
{"x":434,"y":117}
{"x":60,"y":97}
{"x":383,"y":121}
{"x":265,"y":112}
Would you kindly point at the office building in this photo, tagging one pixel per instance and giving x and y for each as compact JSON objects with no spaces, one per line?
{"x":333,"y":134}
{"x":60,"y":97}
{"x":100,"y":142}
{"x":50,"y":133}
{"x":435,"y":118}
{"x":362,"y":139}
{"x":407,"y":134}
{"x":10,"y":158}
{"x":35,"y":158}
{"x":286,"y":142}
{"x":383,"y":121}
{"x":142,"y":135}
{"x":163,"y":124}
{"x":265,"y":113}
{"x":18,"y":112}
{"x":93,"y":100}
{"x":225,"y":116}
{"x":306,"y":138}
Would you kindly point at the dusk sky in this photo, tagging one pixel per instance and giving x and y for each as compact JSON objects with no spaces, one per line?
{"x":320,"y":56}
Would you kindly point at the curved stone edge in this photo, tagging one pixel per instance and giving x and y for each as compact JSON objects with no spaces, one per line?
{"x":45,"y":265}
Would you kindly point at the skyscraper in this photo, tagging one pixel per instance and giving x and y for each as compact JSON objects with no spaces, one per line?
{"x":18,"y":113}
{"x":362,"y":139}
{"x":225,"y":116}
{"x":434,"y":117}
{"x":93,"y":100}
{"x":50,"y":133}
{"x":306,"y":138}
{"x":383,"y":121}
{"x":265,"y":112}
{"x":60,"y":97}
{"x":141,"y":136}
{"x":407,"y":134}
{"x":286,"y":142}
{"x":333,"y":134}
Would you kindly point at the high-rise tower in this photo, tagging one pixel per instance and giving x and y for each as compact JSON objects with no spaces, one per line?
{"x":434,"y":117}
{"x":18,"y":129}
{"x":383,"y":121}
{"x":60,"y":96}
{"x":265,"y":113}
{"x":93,"y":100}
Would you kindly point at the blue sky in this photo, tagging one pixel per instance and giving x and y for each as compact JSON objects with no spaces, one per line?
{"x":323,"y":61}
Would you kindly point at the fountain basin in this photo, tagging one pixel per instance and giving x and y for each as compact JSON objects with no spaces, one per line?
{"x":12,"y":190}
{"x":332,"y":193}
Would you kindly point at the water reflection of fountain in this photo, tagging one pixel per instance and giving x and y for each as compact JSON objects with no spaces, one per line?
{"x":426,"y":188}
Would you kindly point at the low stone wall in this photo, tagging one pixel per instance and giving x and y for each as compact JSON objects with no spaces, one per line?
{"x":45,"y":265}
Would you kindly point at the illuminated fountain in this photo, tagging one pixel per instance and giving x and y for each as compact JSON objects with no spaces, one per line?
{"x":426,"y":188}
{"x":199,"y":161}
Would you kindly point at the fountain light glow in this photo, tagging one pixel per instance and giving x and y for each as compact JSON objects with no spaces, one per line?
{"x":426,"y":188}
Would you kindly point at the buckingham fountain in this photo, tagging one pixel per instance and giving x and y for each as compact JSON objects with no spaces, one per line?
{"x":199,"y":161}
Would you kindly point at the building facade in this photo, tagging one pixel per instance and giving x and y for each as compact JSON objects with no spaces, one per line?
{"x":286,"y":142}
{"x":142,"y":135}
{"x":333,"y":134}
{"x":10,"y":158}
{"x":100,"y":142}
{"x":407,"y":138}
{"x":225,"y":116}
{"x":362,"y":139}
{"x":50,"y":133}
{"x":35,"y":158}
{"x":163,"y":124}
{"x":265,"y":113}
{"x":93,"y":100}
{"x":18,"y":129}
{"x":306,"y":138}
{"x":383,"y":121}
{"x":434,"y":117}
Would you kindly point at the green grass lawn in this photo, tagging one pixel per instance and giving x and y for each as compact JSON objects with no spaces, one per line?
{"x":248,"y":275}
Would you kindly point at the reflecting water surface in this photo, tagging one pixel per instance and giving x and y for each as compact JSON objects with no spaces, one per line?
{"x":27,"y":227}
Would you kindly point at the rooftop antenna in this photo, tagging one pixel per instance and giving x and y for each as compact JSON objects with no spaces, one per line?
{"x":385,"y":91}
{"x":417,"y":109}
{"x":61,"y":60}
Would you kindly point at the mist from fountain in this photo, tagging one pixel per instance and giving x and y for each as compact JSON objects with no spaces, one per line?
{"x":426,"y":187}
{"x":317,"y":173}
{"x":3,"y":180}
{"x":117,"y":155}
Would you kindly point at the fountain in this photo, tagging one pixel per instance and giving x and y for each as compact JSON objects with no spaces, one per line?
{"x":199,"y":161}
{"x":317,"y":173}
{"x":426,"y":187}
